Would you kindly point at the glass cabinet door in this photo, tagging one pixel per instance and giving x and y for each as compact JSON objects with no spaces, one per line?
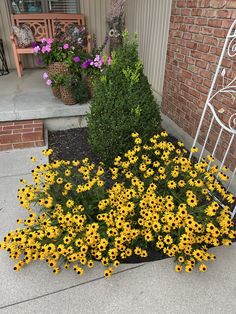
{"x":43,"y":6}
{"x":27,"y":6}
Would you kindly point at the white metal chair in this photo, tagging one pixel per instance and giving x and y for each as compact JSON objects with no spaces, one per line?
{"x":228,"y":51}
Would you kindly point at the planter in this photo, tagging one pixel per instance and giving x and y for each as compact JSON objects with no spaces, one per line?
{"x":56,"y":92}
{"x":57,"y":68}
{"x":90,"y":86}
{"x":67,"y":96}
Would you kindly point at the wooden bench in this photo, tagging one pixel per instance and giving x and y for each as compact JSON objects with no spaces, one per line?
{"x":42,"y":25}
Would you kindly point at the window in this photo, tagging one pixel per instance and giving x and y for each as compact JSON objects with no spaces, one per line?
{"x":63,"y":6}
{"x":44,"y":6}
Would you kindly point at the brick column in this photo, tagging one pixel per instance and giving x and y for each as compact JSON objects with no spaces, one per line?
{"x":197,"y":32}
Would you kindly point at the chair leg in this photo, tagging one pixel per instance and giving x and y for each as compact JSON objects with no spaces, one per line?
{"x":17,"y":61}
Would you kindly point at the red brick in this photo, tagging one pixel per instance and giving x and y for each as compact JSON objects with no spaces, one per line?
{"x":197,"y":79}
{"x":203,"y":47}
{"x":23,"y":145}
{"x":231,"y":4}
{"x":23,"y":122}
{"x":218,"y":4}
{"x":204,"y":3}
{"x":29,"y":126}
{"x":13,"y":127}
{"x":194,"y":29}
{"x":3,"y":124}
{"x":201,"y":64}
{"x":6,"y":147}
{"x":196,"y":12}
{"x":39,"y":143}
{"x":26,"y":137}
{"x":191,"y":45}
{"x":223,"y":13}
{"x":5,"y":132}
{"x":226,"y":24}
{"x":38,"y":122}
{"x":189,"y":60}
{"x":181,"y":4}
{"x":201,"y":21}
{"x":210,"y":58}
{"x":8,"y":139}
{"x":205,"y":74}
{"x":220,"y":33}
{"x":214,"y":23}
{"x":185,"y":12}
{"x":21,"y":131}
{"x":198,"y":37}
{"x":196,"y":54}
{"x":210,"y":40}
{"x":187,"y":36}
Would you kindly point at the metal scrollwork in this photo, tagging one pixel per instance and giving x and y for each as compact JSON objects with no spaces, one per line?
{"x":232,"y":47}
{"x":232,"y":122}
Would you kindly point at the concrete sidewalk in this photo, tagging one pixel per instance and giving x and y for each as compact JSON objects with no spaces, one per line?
{"x":140,"y":288}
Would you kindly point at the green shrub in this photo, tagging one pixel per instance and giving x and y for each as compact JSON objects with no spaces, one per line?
{"x":123,"y":103}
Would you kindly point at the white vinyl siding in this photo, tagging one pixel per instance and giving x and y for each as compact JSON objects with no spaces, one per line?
{"x":150,"y":19}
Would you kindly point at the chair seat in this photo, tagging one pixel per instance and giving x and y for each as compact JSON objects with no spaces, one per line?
{"x":28,"y":50}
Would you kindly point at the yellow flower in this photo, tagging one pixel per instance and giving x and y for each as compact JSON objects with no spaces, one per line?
{"x":203,"y":268}
{"x":178,"y":268}
{"x":33,"y":159}
{"x":194,"y":149}
{"x":171,"y":184}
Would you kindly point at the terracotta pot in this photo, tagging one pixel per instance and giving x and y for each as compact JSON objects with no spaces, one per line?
{"x":57,"y":68}
{"x":67,"y":96}
{"x":56,"y":92}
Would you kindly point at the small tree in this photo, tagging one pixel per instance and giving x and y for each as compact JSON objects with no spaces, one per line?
{"x":123,"y":103}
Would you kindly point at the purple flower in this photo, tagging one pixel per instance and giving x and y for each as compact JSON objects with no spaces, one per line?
{"x":86,"y":63}
{"x":45,"y":75}
{"x":76,"y":59}
{"x":44,"y":40}
{"x":34,"y":44}
{"x":66,"y":46}
{"x":39,"y":61}
{"x":49,"y":82}
{"x":36,"y":49}
{"x":109,"y":60}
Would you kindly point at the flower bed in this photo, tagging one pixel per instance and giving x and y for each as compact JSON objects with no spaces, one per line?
{"x":156,"y":198}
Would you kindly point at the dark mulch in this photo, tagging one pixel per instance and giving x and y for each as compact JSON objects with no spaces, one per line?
{"x":71,"y":144}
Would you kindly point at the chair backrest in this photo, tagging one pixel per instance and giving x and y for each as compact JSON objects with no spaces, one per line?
{"x":43,"y":24}
{"x":218,"y":124}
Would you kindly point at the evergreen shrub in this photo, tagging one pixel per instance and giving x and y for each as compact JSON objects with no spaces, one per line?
{"x":123,"y":103}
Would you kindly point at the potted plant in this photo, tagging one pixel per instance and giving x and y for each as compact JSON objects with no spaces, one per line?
{"x":56,"y":53}
{"x":93,"y":68}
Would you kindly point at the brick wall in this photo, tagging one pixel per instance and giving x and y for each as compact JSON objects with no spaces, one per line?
{"x":21,"y":134}
{"x":196,"y":37}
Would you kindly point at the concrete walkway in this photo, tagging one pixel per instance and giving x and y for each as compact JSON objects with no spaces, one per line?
{"x":30,"y":98}
{"x":140,"y":288}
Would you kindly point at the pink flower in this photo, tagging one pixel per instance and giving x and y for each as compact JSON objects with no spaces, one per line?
{"x":66,"y":46}
{"x":45,"y":75}
{"x":48,"y":48}
{"x":44,"y":40}
{"x":109,"y":60}
{"x":49,"y":82}
{"x":76,"y":59}
{"x":36,"y":49}
{"x":50,"y":41}
{"x":44,"y":49}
